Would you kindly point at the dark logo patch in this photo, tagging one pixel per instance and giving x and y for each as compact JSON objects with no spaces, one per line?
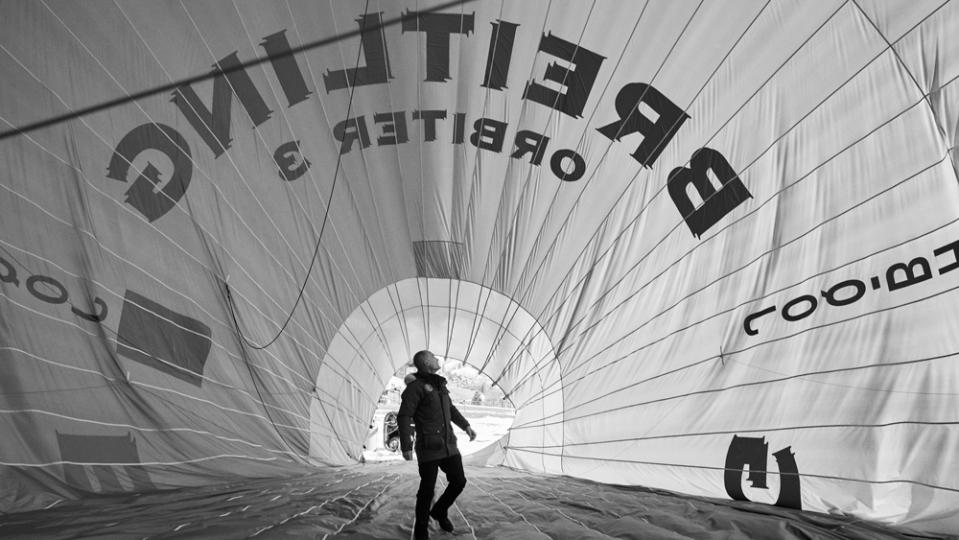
{"x":753,"y":451}
{"x":102,"y":459}
{"x":153,"y":335}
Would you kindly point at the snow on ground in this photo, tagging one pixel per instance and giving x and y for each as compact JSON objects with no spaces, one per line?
{"x":489,"y":429}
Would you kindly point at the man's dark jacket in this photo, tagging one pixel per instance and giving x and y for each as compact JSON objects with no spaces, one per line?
{"x":427,"y":401}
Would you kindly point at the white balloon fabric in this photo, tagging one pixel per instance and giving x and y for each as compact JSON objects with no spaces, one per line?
{"x":705,"y":246}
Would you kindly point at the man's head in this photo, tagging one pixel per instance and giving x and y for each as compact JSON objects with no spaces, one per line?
{"x":425,"y":362}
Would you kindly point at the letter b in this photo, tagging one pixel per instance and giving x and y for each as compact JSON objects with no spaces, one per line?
{"x":716,"y":204}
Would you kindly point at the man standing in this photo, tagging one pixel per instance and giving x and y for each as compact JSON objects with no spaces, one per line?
{"x":427,"y":402}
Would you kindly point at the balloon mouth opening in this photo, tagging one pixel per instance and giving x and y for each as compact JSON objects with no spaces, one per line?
{"x":474,"y":395}
{"x":483,"y":337}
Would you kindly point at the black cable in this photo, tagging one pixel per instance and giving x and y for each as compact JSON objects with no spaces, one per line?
{"x":319,"y":236}
{"x":229,"y":297}
{"x":207,"y":76}
{"x":114,"y":381}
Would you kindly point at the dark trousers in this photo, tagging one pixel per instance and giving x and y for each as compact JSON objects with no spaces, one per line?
{"x":453,"y":467}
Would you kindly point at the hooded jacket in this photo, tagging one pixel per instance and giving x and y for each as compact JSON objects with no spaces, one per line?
{"x":426,"y":401}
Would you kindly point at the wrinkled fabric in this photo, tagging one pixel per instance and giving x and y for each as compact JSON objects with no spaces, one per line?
{"x":374,"y":502}
{"x":708,"y":247}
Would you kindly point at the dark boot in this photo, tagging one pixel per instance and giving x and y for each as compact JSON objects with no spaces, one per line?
{"x":442,"y":519}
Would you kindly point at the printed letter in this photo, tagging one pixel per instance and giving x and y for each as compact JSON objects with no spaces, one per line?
{"x":530,"y":142}
{"x":8,"y":274}
{"x":377,"y":69}
{"x":500,"y":54}
{"x":577,"y":81}
{"x":92,"y":317}
{"x":716,"y":204}
{"x":488,"y":134}
{"x":747,"y":324}
{"x":656,"y":134}
{"x":438,"y":28}
{"x":954,"y":248}
{"x":830,"y":295}
{"x":291,"y":162}
{"x":350,"y":130}
{"x":813,"y":304}
{"x":277,"y":47}
{"x":557,"y":161}
{"x":61,"y":293}
{"x":429,"y":118}
{"x":911,"y":278}
{"x":141,"y":195}
{"x":213,"y":124}
{"x":394,"y":127}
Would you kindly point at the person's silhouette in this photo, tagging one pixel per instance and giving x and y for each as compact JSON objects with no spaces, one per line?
{"x":426,"y":401}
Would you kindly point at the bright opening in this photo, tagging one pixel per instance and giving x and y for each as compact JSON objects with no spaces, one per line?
{"x":473,"y":330}
{"x":480,"y":401}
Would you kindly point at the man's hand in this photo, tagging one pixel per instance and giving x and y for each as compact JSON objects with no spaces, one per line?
{"x":408,"y":456}
{"x":471,"y":433}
